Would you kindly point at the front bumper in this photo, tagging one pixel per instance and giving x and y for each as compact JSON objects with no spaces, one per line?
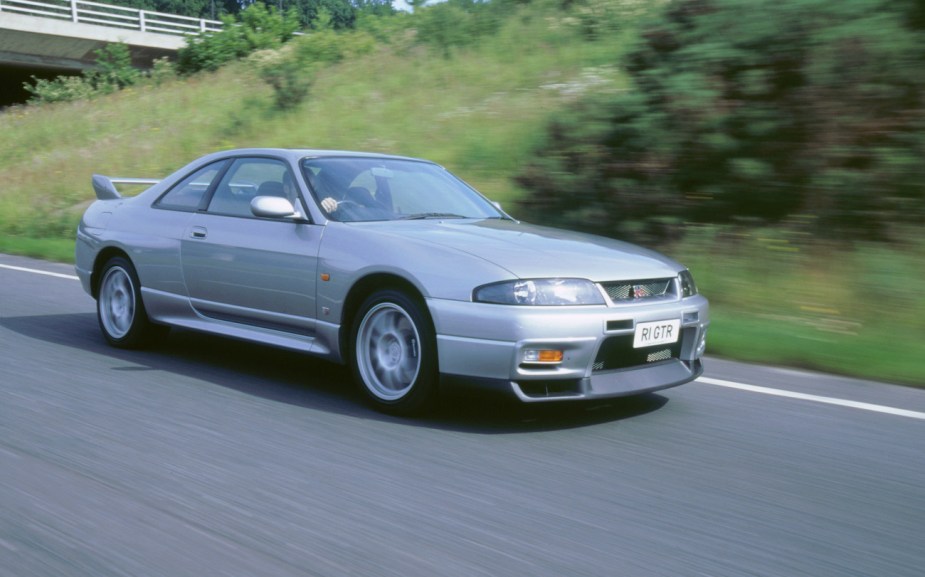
{"x":483,"y":345}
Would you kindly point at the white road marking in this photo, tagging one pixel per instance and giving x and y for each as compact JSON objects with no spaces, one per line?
{"x":814,"y":398}
{"x":36,"y":271}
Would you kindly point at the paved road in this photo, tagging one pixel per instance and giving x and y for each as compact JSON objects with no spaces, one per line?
{"x":209,"y":457}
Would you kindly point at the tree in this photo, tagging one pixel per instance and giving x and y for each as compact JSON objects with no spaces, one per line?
{"x":796,"y":111}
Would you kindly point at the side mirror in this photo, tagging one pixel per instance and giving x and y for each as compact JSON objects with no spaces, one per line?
{"x":273,"y":207}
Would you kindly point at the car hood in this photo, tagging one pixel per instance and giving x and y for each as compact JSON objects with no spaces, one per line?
{"x":530,"y":251}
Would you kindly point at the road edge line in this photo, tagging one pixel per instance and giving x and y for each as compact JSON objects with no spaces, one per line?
{"x":36,"y":271}
{"x":814,"y":398}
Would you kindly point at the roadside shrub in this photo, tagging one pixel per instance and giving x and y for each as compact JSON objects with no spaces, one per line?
{"x":325,"y":46}
{"x":453,"y":24}
{"x":290,"y":71}
{"x":209,"y":51}
{"x":774,"y":112}
{"x":259,"y":28}
{"x":162,"y":71}
{"x":113,"y":71}
{"x":598,"y":18}
{"x":263,"y":27}
{"x":386,"y":29}
{"x":287,"y":76}
{"x":60,"y":89}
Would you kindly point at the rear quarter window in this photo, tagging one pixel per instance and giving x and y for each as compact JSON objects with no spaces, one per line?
{"x":188,"y":193}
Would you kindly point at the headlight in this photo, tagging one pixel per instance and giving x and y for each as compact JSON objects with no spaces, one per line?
{"x":688,"y":288}
{"x":540,"y":292}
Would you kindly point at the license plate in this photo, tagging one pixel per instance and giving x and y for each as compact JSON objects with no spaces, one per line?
{"x":656,"y":333}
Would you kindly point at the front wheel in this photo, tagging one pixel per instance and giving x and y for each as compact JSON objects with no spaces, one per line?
{"x":394,"y":356}
{"x":119,"y":308}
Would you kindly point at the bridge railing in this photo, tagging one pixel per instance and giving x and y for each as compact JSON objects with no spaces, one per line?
{"x":109,"y":15}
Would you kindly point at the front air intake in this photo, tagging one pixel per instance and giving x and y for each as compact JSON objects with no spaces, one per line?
{"x":617,"y":352}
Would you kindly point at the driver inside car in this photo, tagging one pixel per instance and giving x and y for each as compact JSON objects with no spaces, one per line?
{"x":356,"y":201}
{"x":324,"y":187}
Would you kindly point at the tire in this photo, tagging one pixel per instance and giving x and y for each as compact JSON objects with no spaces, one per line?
{"x":394,"y":353}
{"x":120,"y":310}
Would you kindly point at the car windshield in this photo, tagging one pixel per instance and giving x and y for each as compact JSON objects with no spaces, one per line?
{"x":353,"y":189}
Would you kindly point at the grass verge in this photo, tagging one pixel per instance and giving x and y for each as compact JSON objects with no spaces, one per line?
{"x":797,"y":302}
{"x":54,"y":249}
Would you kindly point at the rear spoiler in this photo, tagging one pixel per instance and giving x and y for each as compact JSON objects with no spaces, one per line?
{"x":105,"y":186}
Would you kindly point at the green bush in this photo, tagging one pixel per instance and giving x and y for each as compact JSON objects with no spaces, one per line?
{"x":259,"y":28}
{"x":162,"y":71}
{"x":112,"y":71}
{"x":263,"y":27}
{"x":453,"y":24}
{"x":210,"y":51}
{"x":60,"y":89}
{"x":290,"y":71}
{"x":775,"y":111}
{"x":386,"y":29}
{"x":326,"y":46}
{"x":287,"y":76}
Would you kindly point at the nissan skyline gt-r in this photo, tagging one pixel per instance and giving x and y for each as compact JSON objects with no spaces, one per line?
{"x":392,"y":266}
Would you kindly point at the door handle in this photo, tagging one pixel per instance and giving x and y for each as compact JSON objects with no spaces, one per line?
{"x":198,"y":232}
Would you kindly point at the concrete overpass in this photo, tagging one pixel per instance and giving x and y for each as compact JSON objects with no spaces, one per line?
{"x":51,"y":37}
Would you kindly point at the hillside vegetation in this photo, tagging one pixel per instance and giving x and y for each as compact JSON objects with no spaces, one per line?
{"x":479,"y":110}
{"x":498,"y":95}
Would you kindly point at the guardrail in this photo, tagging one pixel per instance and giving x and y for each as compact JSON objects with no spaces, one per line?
{"x":109,"y":15}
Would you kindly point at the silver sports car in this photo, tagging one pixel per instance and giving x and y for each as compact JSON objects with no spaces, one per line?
{"x":393,"y":266}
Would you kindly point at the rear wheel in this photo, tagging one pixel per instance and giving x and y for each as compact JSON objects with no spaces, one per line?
{"x":394,"y":356}
{"x":119,"y":308}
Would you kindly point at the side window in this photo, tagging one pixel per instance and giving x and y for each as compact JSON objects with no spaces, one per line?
{"x":187,"y":194}
{"x":247,"y":178}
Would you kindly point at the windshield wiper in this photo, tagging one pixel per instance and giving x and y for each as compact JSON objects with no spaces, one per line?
{"x":423,"y":215}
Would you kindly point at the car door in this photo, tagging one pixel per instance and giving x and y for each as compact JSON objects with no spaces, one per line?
{"x":249,"y":270}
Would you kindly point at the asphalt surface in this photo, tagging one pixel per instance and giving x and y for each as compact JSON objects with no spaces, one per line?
{"x":210,"y":457}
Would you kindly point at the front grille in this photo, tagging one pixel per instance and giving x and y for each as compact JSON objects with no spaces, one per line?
{"x":617,"y":352}
{"x":637,"y":290}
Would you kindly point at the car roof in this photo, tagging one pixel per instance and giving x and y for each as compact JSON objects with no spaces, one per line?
{"x":299,"y":153}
